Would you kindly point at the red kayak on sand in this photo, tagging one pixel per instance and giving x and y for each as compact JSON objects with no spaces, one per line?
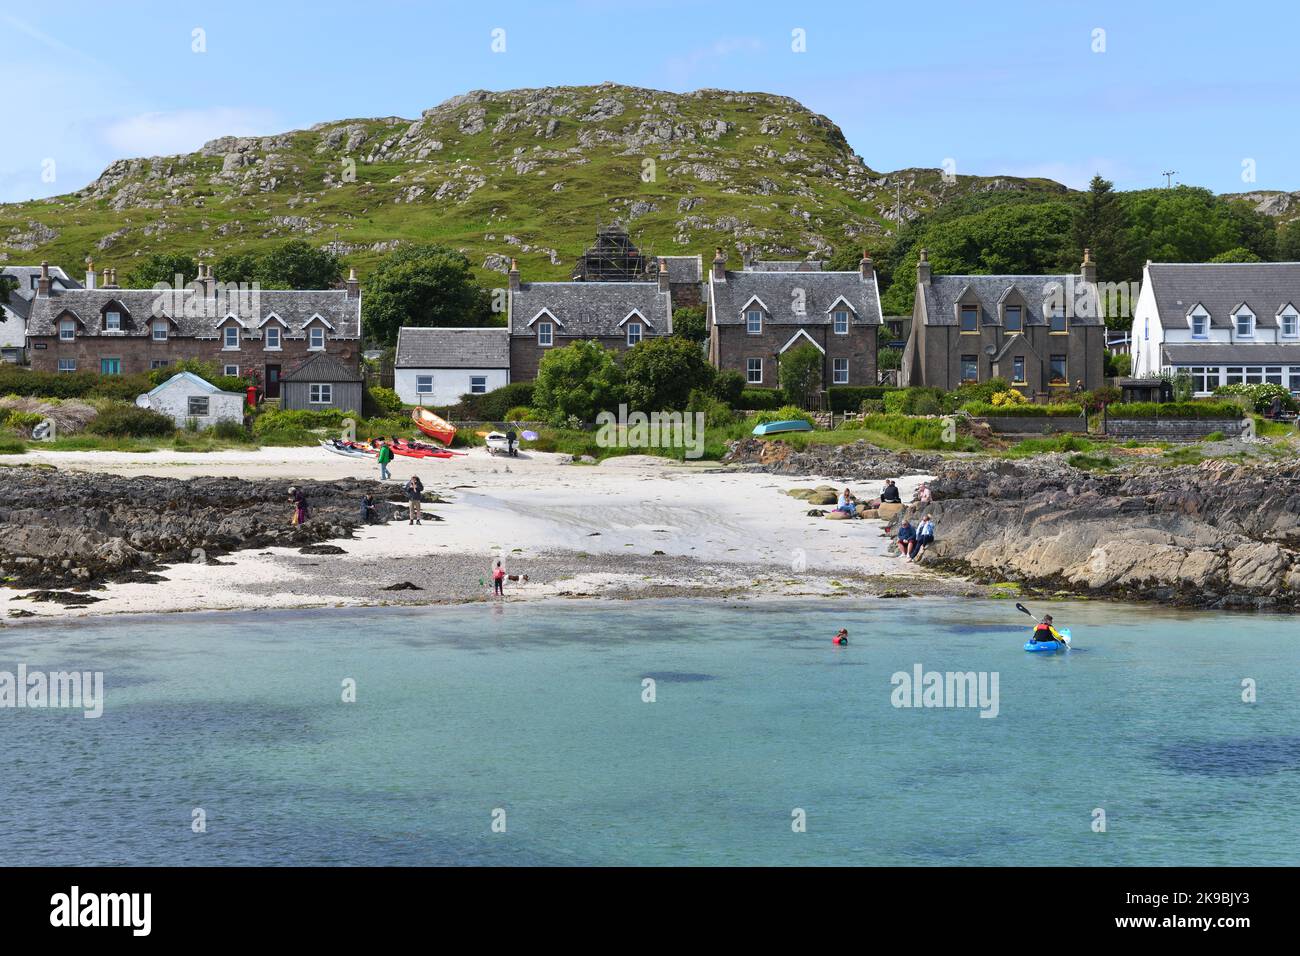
{"x":436,"y":428}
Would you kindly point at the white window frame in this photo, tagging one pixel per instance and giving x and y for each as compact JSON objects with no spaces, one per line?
{"x":424,"y":385}
{"x":226,"y":371}
{"x":1018,"y":379}
{"x":311,"y":338}
{"x":159,"y":326}
{"x":633,"y":333}
{"x":113,"y":321}
{"x":67,"y":365}
{"x":839,"y":371}
{"x":155,"y":364}
{"x":189,"y":406}
{"x":320,"y":393}
{"x":272,"y":331}
{"x":545,"y":334}
{"x":754,"y":321}
{"x":478,"y":385}
{"x":751,"y":370}
{"x":1204,"y":319}
{"x":1294,"y":319}
{"x":225,"y":338}
{"x":1250,"y":324}
{"x":67,"y":330}
{"x":841,"y":319}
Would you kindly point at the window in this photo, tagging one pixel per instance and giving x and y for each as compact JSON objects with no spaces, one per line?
{"x":1057,"y":371}
{"x":316,"y":338}
{"x":1018,"y":369}
{"x":1295,"y":379}
{"x":67,"y":330}
{"x":545,"y":334}
{"x":113,"y":321}
{"x":1254,"y":375}
{"x":841,"y":322}
{"x":1058,"y":320}
{"x":970,"y":315}
{"x":1013,"y":321}
{"x":633,"y":333}
{"x":158,"y":363}
{"x":1245,"y":325}
{"x":1204,"y":378}
{"x":320,"y":394}
{"x":754,"y":371}
{"x":67,"y":365}
{"x":1232,"y":375}
{"x":230,"y":370}
{"x":1289,"y":324}
{"x":754,"y":322}
{"x":1199,"y":326}
{"x":478,"y":384}
{"x":160,"y":331}
{"x":970,"y":368}
{"x":424,"y":384}
{"x":198,"y":406}
{"x":840,"y":371}
{"x":1273,"y":375}
{"x":271,"y":338}
{"x":110,"y":366}
{"x":230,"y":337}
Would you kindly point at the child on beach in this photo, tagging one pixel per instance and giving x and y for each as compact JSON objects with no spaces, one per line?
{"x":300,"y":510}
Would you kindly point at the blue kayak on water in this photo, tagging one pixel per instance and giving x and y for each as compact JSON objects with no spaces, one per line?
{"x":1049,"y":647}
{"x":775,"y":428}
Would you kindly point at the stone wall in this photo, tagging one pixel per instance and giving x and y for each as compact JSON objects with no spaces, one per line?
{"x":1172,"y":429}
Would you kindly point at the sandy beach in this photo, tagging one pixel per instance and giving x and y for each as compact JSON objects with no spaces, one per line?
{"x":629,"y":527}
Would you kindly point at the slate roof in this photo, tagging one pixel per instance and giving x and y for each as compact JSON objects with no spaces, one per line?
{"x":20,"y":298}
{"x":780,"y":291}
{"x":1225,"y":353}
{"x":684,"y":269}
{"x":322,"y":367}
{"x":1221,"y":286}
{"x":197,"y":316}
{"x":452,"y":348}
{"x":785,"y":265}
{"x":585,"y":309}
{"x":943,"y":292}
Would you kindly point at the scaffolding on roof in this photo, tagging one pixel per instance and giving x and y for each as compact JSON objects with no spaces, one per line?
{"x":613,"y":258}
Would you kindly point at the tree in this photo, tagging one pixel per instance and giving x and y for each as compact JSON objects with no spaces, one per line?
{"x":690,"y":322}
{"x":1236,"y":254}
{"x":423,"y":286}
{"x":298,"y":265}
{"x":799,"y":373}
{"x":1288,"y":242}
{"x":1100,"y":224}
{"x":8,"y":284}
{"x":577,"y":381}
{"x":661,"y":372}
{"x":162,"y":267}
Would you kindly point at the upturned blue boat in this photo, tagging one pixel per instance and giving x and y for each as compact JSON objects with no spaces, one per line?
{"x":776,"y":428}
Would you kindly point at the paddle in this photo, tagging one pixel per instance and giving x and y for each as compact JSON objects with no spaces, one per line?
{"x":1020,"y":607}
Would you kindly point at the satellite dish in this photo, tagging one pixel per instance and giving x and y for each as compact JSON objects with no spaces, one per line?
{"x":142,"y":401}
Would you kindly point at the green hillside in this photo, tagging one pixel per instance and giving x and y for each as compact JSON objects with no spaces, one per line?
{"x":524,"y":173}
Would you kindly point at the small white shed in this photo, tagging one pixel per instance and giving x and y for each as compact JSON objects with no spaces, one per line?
{"x":185,"y":396}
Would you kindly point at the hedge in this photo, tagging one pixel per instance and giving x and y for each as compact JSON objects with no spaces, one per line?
{"x":494,"y":405}
{"x":131,"y":422}
{"x":761,"y":399}
{"x":1185,"y":410}
{"x":849,"y":398}
{"x":985,"y":410}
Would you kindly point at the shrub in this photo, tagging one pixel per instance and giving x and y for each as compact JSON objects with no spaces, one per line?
{"x":299,"y":419}
{"x":873,"y":406}
{"x":1106,"y":395}
{"x":1010,"y":398}
{"x":729,"y":386}
{"x":577,"y":382}
{"x":1215,"y":436}
{"x":717,"y":413}
{"x":786,"y":413}
{"x":24,"y":421}
{"x":918,"y":400}
{"x":382,"y":401}
{"x":19,"y":381}
{"x":985,"y":410}
{"x":1118,"y":366}
{"x":1188,"y":410}
{"x":660,"y":373}
{"x":978,"y":392}
{"x":231,"y":431}
{"x":800,"y":372}
{"x":759,"y":399}
{"x":11,"y":444}
{"x":849,"y":398}
{"x":127,"y":421}
{"x":1260,"y":395}
{"x":496,"y":404}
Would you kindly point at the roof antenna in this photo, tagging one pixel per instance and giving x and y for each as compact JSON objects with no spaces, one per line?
{"x":1169,"y":174}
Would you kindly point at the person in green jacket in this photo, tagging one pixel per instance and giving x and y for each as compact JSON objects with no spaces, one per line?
{"x":385,"y":456}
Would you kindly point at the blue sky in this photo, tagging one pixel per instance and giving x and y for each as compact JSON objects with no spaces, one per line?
{"x":1010,"y":87}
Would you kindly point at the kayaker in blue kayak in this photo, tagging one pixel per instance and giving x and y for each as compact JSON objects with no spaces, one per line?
{"x":1046,"y":633}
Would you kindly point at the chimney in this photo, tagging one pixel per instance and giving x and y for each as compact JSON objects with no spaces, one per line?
{"x":865,"y":268}
{"x":110,"y":278}
{"x":43,"y":283}
{"x":90,"y":274}
{"x":353,"y":286}
{"x":1088,"y":271}
{"x":719,"y":266}
{"x":663,"y":275}
{"x":923,"y":268}
{"x":513,"y":275}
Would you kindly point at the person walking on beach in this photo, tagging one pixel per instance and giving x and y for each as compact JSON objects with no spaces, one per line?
{"x":300,"y":510}
{"x":512,"y":443}
{"x":414,"y":493}
{"x":498,"y":581}
{"x":385,"y":456}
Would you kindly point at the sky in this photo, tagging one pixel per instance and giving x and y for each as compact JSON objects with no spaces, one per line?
{"x":1050,"y":88}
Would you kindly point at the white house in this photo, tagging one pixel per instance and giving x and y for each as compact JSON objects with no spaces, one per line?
{"x":437,"y":366}
{"x":13,"y":316}
{"x":1221,"y":323}
{"x":185,"y":396}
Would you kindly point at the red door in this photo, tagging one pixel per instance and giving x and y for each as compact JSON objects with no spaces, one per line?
{"x":273,"y":381}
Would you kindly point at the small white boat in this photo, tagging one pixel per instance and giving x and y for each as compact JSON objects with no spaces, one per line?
{"x":497,"y":443}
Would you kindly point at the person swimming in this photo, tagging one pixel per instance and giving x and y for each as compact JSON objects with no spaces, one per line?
{"x":841,"y":637}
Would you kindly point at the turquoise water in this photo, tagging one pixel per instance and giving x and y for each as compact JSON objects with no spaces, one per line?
{"x":537,"y":709}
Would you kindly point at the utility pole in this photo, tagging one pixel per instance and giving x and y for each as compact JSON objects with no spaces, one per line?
{"x":1169,"y":174}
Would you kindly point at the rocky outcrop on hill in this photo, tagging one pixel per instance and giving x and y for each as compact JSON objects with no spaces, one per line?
{"x":1219,"y":534}
{"x":67,"y":529}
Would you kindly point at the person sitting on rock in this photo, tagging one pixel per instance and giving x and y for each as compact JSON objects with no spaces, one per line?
{"x":923,"y":494}
{"x":924,"y":537}
{"x":369,"y":513}
{"x":889,"y":496}
{"x":906,"y":539}
{"x":1045,"y":632}
{"x":848,"y":504}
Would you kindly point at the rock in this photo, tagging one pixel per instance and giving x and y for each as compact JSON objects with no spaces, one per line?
{"x":321,"y":549}
{"x":20,"y":612}
{"x":403,"y":586}
{"x":67,"y":598}
{"x":837,"y":516}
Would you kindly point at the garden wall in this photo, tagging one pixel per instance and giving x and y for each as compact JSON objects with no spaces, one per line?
{"x":1173,"y":429}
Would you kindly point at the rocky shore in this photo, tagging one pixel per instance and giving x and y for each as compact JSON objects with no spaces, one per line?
{"x":74,"y":530}
{"x":1215,"y":535}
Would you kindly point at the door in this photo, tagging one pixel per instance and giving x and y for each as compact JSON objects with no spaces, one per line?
{"x":273,"y":381}
{"x":110,"y":366}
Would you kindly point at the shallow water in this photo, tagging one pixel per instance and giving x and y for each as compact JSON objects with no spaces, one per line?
{"x":537,"y":710}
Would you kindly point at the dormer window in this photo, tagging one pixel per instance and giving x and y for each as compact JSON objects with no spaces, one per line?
{"x":841,"y":319}
{"x":159,"y":332}
{"x":113,"y":321}
{"x":316,"y":338}
{"x":1245,"y":324}
{"x":1290,"y":322}
{"x":1200,"y":325}
{"x":754,"y":322}
{"x":633,"y":333}
{"x":271,"y":338}
{"x":67,"y":330}
{"x":1058,"y":320}
{"x":1013,"y":321}
{"x":545,"y":334}
{"x":970,"y":318}
{"x":230,"y":337}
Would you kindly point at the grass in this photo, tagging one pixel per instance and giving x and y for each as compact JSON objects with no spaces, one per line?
{"x":1032,"y":447}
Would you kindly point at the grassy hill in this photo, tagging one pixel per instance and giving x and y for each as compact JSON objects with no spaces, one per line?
{"x":523,"y":173}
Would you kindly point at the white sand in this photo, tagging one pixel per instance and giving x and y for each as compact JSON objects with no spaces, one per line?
{"x":631,"y":505}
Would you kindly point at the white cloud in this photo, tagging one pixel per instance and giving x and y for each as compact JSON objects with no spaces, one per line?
{"x":682,"y":68}
{"x":183,"y":131}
